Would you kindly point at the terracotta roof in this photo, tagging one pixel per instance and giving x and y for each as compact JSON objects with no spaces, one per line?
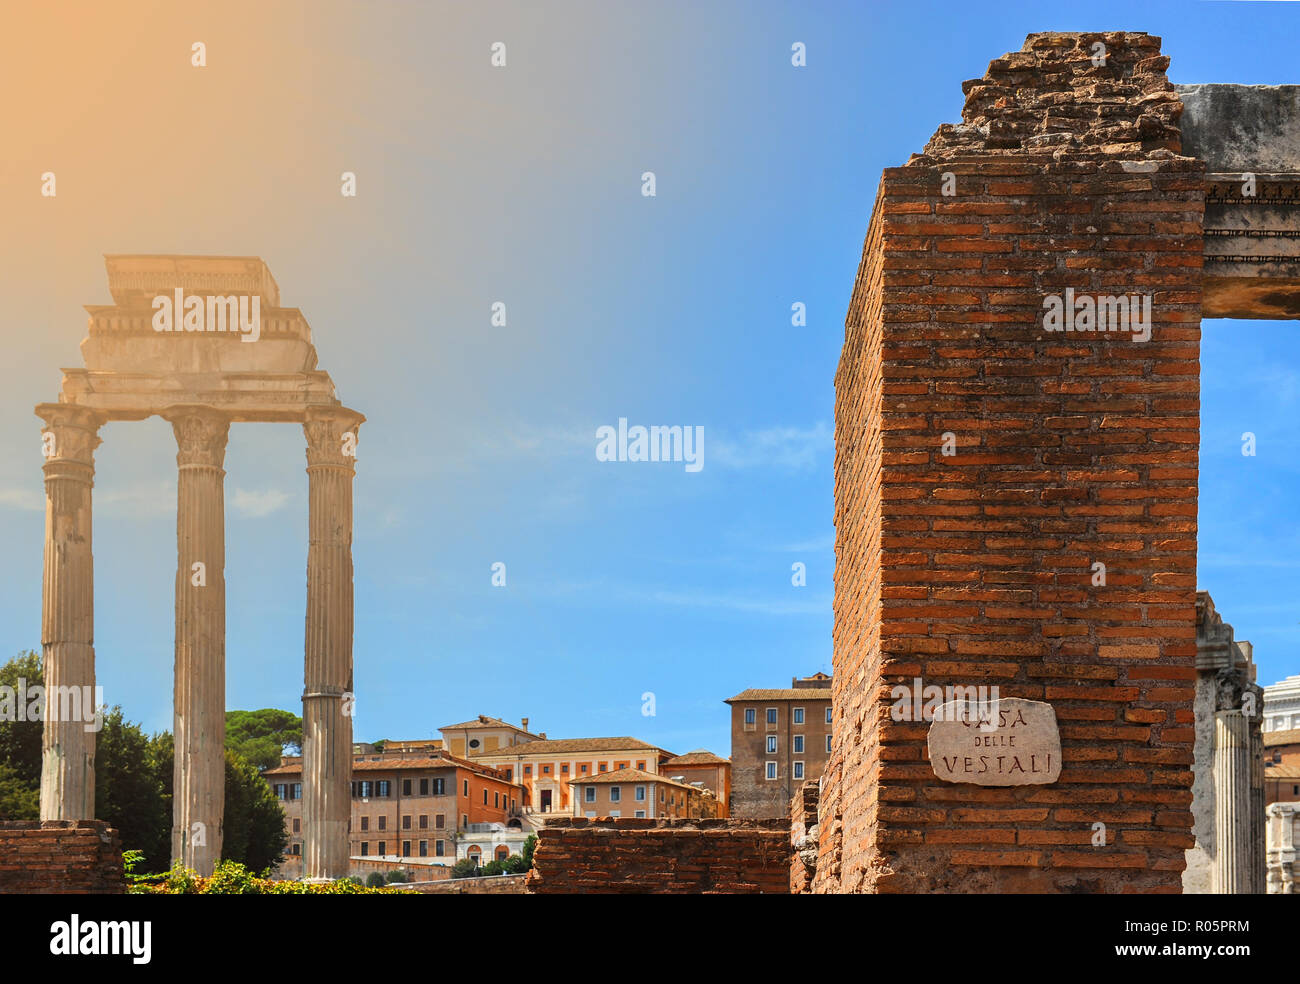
{"x":566,"y":746}
{"x":700,"y":757}
{"x":1291,"y":737}
{"x":1280,"y":771}
{"x":630,"y":776}
{"x":369,"y":763}
{"x":483,"y":721}
{"x":801,"y":693}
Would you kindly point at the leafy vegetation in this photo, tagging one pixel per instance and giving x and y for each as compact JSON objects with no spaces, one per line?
{"x":232,"y":878}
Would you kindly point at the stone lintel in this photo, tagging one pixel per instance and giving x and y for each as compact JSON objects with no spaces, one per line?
{"x":243,"y":397}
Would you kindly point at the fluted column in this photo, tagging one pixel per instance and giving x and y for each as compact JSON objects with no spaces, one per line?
{"x":1232,"y":829}
{"x":327,"y":677}
{"x":68,"y":611}
{"x":200,"y":695}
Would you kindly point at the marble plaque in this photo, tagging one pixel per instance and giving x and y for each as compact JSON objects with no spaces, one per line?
{"x":1005,"y":742}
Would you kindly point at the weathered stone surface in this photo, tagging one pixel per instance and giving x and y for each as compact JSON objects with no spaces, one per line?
{"x":1242,"y":127}
{"x":202,"y":377}
{"x":1011,"y":742}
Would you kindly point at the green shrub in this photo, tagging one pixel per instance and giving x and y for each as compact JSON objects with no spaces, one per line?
{"x":397,"y":875}
{"x":464,"y":868}
{"x":530,"y":845}
{"x":375,"y":879}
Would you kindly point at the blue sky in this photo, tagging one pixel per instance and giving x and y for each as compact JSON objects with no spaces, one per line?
{"x":522,"y":185}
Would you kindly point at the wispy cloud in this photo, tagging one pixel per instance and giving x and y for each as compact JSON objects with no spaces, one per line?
{"x":258,"y":504}
{"x":149,"y":499}
{"x":30,"y":500}
{"x":789,"y":448}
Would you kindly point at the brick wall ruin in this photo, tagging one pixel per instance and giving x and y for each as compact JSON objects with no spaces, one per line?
{"x":80,"y":857}
{"x":984,"y":465}
{"x":630,"y":856}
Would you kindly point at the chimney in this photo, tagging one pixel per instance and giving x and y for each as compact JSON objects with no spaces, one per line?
{"x":525,"y":724}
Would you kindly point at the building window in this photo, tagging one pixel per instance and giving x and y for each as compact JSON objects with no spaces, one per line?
{"x":383,"y":848}
{"x":602,"y":767}
{"x":297,"y":791}
{"x":798,"y":715}
{"x":528,"y":770}
{"x":473,"y":743}
{"x":485,"y":792}
{"x":406,"y":787}
{"x":589,"y":793}
{"x":828,"y":744}
{"x":365,"y":848}
{"x":424,"y":849}
{"x":496,"y":800}
{"x":584,"y":768}
{"x":798,"y":744}
{"x":424,"y":821}
{"x":564,"y":769}
{"x":382,"y":788}
{"x":439,"y":787}
{"x":661,"y":794}
{"x":465,"y":783}
{"x":406,"y":821}
{"x":640,"y":793}
{"x":828,"y":715}
{"x":640,"y":813}
{"x":798,"y":770}
{"x":279,"y":790}
{"x":438,"y":849}
{"x":297,"y":825}
{"x":464,"y":820}
{"x":771,"y":717}
{"x":771,"y":744}
{"x":406,"y":849}
{"x":546,"y":770}
{"x":366,"y":788}
{"x":297,"y":849}
{"x":510,"y":775}
{"x":383,"y":822}
{"x":424,"y":787}
{"x":750,"y":714}
{"x":365,"y":823}
{"x":439,"y":820}
{"x":771,"y":770}
{"x":641,"y":766}
{"x":615,"y":793}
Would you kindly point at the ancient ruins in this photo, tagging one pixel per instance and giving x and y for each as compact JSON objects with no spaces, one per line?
{"x":1016,"y":494}
{"x":202,"y":379}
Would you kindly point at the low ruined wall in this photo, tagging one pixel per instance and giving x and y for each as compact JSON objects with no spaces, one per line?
{"x":81,"y":857}
{"x":633,"y":856}
{"x":804,"y":832}
{"x":487,"y":885}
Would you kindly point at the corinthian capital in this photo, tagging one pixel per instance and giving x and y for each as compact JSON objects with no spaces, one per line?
{"x":332,"y":436}
{"x":71,"y":433}
{"x":201,"y":434}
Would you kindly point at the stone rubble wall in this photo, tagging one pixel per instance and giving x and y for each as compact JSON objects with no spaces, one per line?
{"x":630,"y":856}
{"x":81,"y":857}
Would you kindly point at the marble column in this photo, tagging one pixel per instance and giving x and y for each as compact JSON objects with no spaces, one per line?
{"x":68,"y":612}
{"x":327,"y":677}
{"x":199,"y":774}
{"x":1232,"y":813}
